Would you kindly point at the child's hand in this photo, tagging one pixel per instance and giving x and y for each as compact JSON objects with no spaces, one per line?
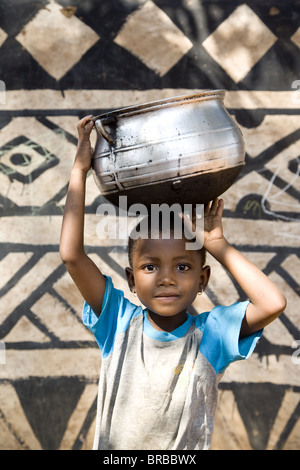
{"x":84,"y":150}
{"x":213,"y":228}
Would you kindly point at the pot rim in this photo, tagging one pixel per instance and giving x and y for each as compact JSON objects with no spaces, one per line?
{"x":202,"y":95}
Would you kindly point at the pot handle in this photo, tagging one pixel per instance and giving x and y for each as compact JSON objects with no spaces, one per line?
{"x":100,"y":123}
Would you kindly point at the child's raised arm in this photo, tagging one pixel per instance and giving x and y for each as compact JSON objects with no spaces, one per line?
{"x":266,"y":301}
{"x":82,"y":269}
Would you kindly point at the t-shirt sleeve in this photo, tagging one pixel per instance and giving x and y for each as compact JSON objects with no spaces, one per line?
{"x":220,"y":342}
{"x":117,"y":311}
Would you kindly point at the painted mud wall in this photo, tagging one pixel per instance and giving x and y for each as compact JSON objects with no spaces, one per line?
{"x":60,"y":60}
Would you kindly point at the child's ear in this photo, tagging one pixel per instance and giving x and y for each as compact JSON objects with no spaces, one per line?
{"x":204,"y":278}
{"x":130,"y":278}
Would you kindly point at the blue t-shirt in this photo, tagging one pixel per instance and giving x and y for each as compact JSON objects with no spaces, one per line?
{"x":161,"y":386}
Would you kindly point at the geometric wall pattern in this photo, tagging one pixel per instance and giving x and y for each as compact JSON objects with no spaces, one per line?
{"x":60,"y":60}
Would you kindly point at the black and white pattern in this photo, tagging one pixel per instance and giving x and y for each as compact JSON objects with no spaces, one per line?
{"x":60,"y":60}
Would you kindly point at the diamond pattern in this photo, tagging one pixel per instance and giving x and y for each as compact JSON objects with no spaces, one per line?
{"x":150,"y":35}
{"x":239,"y":42}
{"x":25,"y":160}
{"x":296,"y":37}
{"x":55,"y":39}
{"x":3,"y":36}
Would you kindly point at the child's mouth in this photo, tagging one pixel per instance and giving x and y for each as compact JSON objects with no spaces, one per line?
{"x":167,"y":297}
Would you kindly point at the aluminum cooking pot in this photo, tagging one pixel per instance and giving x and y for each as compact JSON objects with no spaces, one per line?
{"x":186,"y":149}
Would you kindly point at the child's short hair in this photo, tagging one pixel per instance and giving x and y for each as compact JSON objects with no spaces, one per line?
{"x":148,"y":227}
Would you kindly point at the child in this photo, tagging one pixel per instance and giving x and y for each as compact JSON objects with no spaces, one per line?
{"x":160,"y":365}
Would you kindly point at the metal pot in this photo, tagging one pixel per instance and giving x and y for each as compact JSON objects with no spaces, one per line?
{"x":186,"y":149}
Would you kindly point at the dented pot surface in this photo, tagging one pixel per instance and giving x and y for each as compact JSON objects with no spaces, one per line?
{"x":185,"y":149}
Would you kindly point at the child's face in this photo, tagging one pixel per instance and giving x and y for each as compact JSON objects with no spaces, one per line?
{"x":165,"y":275}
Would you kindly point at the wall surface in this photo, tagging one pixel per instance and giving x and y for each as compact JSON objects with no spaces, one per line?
{"x":60,"y":60}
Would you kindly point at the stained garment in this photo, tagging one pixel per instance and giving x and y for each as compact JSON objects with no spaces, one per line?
{"x":159,"y":390}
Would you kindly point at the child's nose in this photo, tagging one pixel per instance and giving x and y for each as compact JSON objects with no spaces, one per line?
{"x":166,"y":277}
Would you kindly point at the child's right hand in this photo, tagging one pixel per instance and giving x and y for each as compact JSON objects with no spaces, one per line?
{"x":84,"y":150}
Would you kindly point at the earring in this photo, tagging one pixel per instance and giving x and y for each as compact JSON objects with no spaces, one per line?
{"x":134,"y":292}
{"x":200,"y":291}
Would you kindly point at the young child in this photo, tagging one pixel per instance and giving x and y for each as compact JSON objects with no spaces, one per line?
{"x":160,"y":365}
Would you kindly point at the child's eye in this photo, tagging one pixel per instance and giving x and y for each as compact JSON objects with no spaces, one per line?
{"x":183,"y":267}
{"x":149,"y":267}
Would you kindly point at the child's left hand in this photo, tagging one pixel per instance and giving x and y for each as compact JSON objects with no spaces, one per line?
{"x":213,"y":227}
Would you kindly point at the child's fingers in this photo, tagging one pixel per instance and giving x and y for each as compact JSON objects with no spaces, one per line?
{"x":207,"y":208}
{"x":211,"y":207}
{"x":220,"y":208}
{"x":81,"y":124}
{"x":85,"y":125}
{"x":214,"y":207}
